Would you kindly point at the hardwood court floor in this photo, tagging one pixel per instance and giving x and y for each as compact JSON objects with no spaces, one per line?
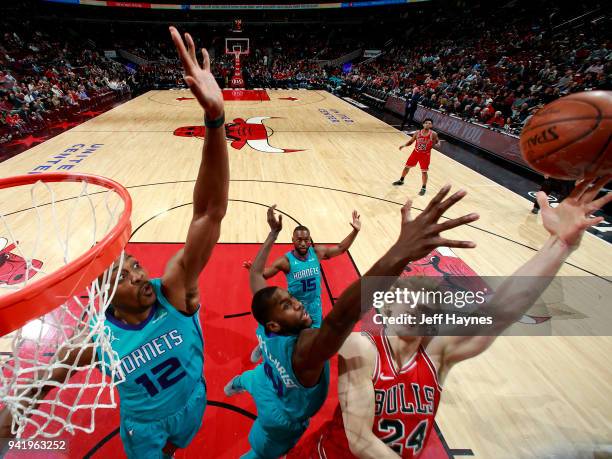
{"x":524,"y":395}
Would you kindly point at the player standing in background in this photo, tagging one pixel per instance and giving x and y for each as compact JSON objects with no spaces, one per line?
{"x":291,"y":385}
{"x":389,"y":383}
{"x":302,"y":268}
{"x":425,"y":140}
{"x":154,"y":322}
{"x":303,"y":272}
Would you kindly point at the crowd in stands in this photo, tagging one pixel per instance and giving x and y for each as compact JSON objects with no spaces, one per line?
{"x":45,"y":80}
{"x":476,"y":66}
{"x":493,"y":76}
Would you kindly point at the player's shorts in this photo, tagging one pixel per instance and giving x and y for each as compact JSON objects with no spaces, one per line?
{"x":273,"y":433}
{"x":422,"y":159}
{"x":142,"y":439}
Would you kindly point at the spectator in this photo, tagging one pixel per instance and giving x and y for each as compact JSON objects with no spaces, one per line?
{"x":497,"y":120}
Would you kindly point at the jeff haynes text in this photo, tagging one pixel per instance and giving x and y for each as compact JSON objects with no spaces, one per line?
{"x":431,"y":319}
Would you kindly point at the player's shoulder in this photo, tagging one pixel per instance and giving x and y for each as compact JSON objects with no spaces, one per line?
{"x":358,"y":344}
{"x":284,"y":261}
{"x":358,"y":353}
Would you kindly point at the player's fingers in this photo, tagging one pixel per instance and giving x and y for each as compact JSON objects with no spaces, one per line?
{"x":592,"y":221}
{"x":596,"y":187}
{"x":599,"y":203}
{"x":270,"y":213}
{"x":406,"y":211}
{"x":437,"y":199}
{"x":206,"y":57}
{"x":180,"y":47}
{"x":452,"y":243}
{"x":542,"y":199}
{"x":191,"y":48}
{"x":448,"y":203}
{"x":280,"y":219}
{"x":455,"y":222}
{"x":580,"y":188}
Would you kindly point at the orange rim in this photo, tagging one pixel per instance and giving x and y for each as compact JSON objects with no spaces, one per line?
{"x":44,"y":295}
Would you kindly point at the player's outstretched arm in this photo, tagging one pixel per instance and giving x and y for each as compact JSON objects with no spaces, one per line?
{"x":281,"y":264}
{"x":257,"y":279}
{"x":417,"y":238}
{"x":566,"y":225}
{"x":325,"y":252}
{"x":210,"y":193}
{"x":356,"y":364}
{"x":71,"y":359}
{"x":410,"y":142}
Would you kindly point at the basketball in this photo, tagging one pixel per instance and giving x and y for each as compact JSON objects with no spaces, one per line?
{"x":570,"y":137}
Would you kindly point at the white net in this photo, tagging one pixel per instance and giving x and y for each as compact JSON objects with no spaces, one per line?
{"x":51,"y":379}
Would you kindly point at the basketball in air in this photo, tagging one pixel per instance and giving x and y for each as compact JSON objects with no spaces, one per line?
{"x":571,"y":138}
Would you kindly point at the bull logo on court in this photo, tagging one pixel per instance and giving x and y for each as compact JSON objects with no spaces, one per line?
{"x":240,"y":132}
{"x":444,"y":263}
{"x":13,"y":268}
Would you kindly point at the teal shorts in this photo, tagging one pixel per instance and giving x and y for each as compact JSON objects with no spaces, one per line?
{"x":144,"y":440}
{"x":273,"y":433}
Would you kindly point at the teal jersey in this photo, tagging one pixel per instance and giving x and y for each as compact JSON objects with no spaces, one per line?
{"x":161,"y":360}
{"x":285,"y":393}
{"x":304,"y":283}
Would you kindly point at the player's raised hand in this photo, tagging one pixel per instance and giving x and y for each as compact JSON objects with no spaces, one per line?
{"x":421,"y":235}
{"x":572,"y":217}
{"x":356,"y":223}
{"x":198,"y":77}
{"x":247,"y":264}
{"x":276,"y":224}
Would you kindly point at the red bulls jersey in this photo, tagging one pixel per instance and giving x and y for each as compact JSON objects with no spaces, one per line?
{"x":405,"y":405}
{"x":424,"y":143}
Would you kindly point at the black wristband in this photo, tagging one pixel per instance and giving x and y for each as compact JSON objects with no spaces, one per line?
{"x":216,"y":123}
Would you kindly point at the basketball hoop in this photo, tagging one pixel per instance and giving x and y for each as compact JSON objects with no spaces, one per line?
{"x":58,"y":303}
{"x":44,"y":295}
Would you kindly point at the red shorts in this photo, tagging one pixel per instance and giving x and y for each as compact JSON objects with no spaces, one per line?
{"x":421,"y":158}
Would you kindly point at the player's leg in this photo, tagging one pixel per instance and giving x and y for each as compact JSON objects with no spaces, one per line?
{"x":246,"y":381}
{"x":424,"y":181}
{"x":424,"y":163}
{"x":401,"y":179}
{"x":256,"y":352}
{"x":412,"y":161}
{"x":271,"y":441}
